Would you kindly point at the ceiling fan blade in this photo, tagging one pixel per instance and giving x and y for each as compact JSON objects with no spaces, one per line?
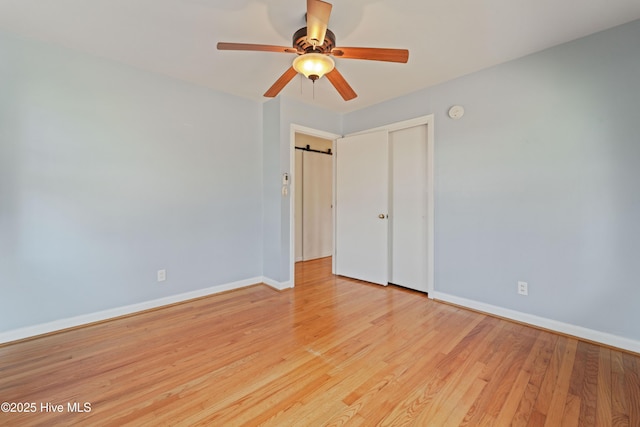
{"x":255,"y":47}
{"x":372,"y":54}
{"x":318,"y":13}
{"x":341,"y":85}
{"x":274,"y":90}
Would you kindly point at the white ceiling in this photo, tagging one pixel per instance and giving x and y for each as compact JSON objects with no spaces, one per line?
{"x":446,"y":38}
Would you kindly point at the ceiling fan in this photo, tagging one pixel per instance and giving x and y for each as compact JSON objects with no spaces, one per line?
{"x":315,"y":44}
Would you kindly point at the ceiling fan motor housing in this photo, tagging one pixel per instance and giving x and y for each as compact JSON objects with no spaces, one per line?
{"x":301,"y":42}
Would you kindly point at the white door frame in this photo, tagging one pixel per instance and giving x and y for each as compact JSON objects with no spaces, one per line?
{"x":292,"y":190}
{"x":418,"y":121}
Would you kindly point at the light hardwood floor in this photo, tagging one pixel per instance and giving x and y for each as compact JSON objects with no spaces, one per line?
{"x":331,"y":352}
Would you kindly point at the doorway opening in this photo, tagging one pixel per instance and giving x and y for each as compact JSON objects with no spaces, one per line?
{"x":313,"y":198}
{"x":295,"y":231}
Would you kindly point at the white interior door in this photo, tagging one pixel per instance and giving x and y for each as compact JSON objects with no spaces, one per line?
{"x":362,"y":188}
{"x":317,"y":224}
{"x":408,"y":207}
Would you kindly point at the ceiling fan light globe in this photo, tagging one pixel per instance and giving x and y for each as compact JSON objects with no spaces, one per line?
{"x":313,"y":64}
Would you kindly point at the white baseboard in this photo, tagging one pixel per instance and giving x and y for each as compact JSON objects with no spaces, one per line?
{"x":542,"y":322}
{"x":71,"y":322}
{"x":280,"y":286}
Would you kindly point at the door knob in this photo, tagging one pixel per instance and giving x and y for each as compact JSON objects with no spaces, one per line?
{"x":381,"y":216}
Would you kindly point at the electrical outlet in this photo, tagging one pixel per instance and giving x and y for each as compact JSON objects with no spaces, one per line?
{"x":162,"y":275}
{"x":523,"y":288}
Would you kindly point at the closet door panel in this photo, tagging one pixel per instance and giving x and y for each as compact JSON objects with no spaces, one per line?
{"x":362,"y":204}
{"x":408,"y":212}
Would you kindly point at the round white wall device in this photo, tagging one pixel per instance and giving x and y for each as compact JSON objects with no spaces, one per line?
{"x":456,"y":112}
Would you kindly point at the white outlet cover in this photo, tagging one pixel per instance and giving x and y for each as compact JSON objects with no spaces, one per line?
{"x":523,"y":288}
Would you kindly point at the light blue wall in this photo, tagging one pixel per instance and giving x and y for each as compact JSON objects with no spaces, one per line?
{"x":539,"y":181}
{"x":272,"y":220}
{"x":108,"y":174}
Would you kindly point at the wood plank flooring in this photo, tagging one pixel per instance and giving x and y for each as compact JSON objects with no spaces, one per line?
{"x":331,"y":352}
